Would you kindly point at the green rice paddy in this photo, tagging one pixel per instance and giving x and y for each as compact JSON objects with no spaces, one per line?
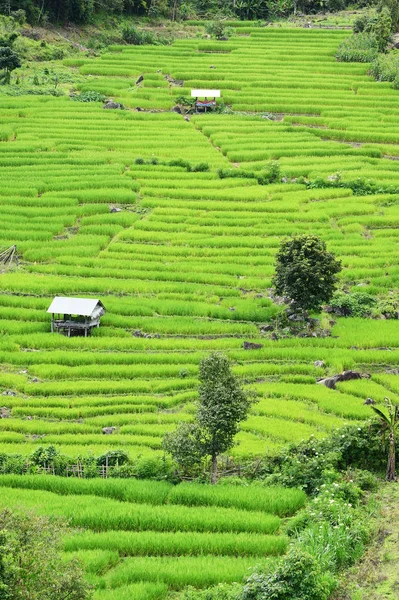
{"x":183,"y":269}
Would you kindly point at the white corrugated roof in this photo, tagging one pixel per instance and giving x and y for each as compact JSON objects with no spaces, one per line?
{"x":73,"y":306}
{"x":205,"y":93}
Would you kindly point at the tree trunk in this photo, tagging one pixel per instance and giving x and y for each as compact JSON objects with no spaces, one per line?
{"x":214,"y":473}
{"x":391,"y":466}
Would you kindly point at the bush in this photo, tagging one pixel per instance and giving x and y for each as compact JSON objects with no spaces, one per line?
{"x":180,"y":162}
{"x":388,"y":307}
{"x":336,"y":533}
{"x":89,"y":96}
{"x":313,"y":463}
{"x":360,"y":23}
{"x":386,"y":67}
{"x":186,"y":101}
{"x":216,"y":29}
{"x":152,"y":468}
{"x":201,"y":167}
{"x":361,"y":47}
{"x":113,"y":458}
{"x":271,"y":173}
{"x":31,"y":563}
{"x":223,"y":173}
{"x":380,"y":27}
{"x":298,"y":577}
{"x":131,"y":35}
{"x":357,"y":304}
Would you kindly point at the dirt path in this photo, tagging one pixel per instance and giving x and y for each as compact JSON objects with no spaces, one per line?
{"x":377,"y":576}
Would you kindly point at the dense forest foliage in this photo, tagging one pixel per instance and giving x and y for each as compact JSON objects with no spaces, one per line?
{"x":83,"y":11}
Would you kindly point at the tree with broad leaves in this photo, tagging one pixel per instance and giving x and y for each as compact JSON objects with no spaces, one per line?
{"x":9,"y":61}
{"x":305,"y":271}
{"x":222,"y":405}
{"x":388,"y":428}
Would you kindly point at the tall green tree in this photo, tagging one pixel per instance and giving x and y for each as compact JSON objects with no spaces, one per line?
{"x":389,"y":424}
{"x":221,"y":406}
{"x":305,"y":271}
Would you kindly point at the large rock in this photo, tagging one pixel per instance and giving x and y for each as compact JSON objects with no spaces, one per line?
{"x":319,"y":363}
{"x":369,"y":402}
{"x":5,"y":413}
{"x":112,"y":105}
{"x":331,"y":382}
{"x":108,"y":430}
{"x":251,"y":346}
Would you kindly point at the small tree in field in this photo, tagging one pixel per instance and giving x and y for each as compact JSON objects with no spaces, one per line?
{"x":221,"y":406}
{"x":31,"y":563}
{"x":9,"y":61}
{"x":306,"y":271}
{"x":186,"y":447}
{"x":389,"y":425}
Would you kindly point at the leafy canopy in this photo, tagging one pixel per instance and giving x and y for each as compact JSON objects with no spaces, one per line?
{"x":9,"y":61}
{"x":221,"y":406}
{"x":306,"y":271}
{"x":31,"y":564}
{"x":298,"y":577}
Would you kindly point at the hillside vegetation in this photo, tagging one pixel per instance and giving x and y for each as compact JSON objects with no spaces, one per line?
{"x":173,"y":220}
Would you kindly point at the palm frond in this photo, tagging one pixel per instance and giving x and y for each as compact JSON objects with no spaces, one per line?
{"x":382,"y":416}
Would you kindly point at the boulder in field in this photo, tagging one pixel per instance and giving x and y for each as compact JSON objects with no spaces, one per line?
{"x":331,"y":382}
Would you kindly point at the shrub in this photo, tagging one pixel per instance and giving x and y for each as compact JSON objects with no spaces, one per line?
{"x":357,"y":304}
{"x":388,"y":306}
{"x":31,"y":564}
{"x":223,"y":173}
{"x":378,"y":26}
{"x":113,"y":458}
{"x":216,"y":29}
{"x":360,"y":23}
{"x":386,"y":67}
{"x":298,"y":577}
{"x":271,"y":173}
{"x":89,"y":96}
{"x":186,"y":101}
{"x":179,"y":162}
{"x":312,"y":463}
{"x":152,"y":468}
{"x":131,"y":35}
{"x":201,"y":167}
{"x":362,"y":47}
{"x":336,"y":533}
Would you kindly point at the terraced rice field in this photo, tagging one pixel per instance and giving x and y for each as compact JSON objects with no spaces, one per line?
{"x":158,"y":537}
{"x":183,"y":269}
